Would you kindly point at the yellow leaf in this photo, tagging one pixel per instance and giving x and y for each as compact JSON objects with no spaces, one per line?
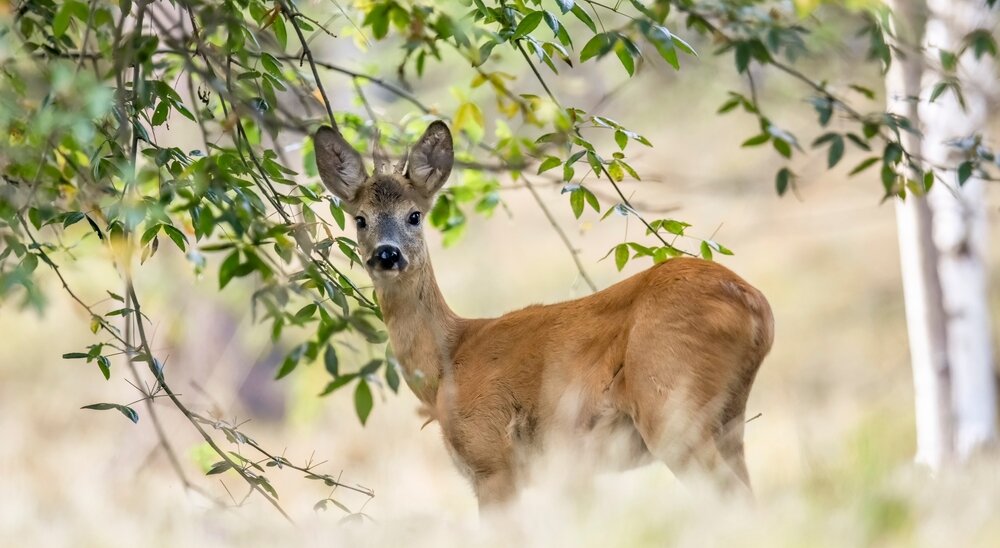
{"x":469,"y":117}
{"x":803,"y":8}
{"x":269,"y":20}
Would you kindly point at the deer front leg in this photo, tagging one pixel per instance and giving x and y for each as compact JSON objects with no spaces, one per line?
{"x":494,"y":489}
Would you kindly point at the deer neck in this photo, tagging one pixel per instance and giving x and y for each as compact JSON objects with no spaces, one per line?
{"x":422,"y":328}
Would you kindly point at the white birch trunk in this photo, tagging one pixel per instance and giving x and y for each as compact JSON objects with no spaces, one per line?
{"x":925,"y":319}
{"x":959,"y":225}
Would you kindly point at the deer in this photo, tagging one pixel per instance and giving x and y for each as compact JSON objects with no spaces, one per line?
{"x":657,"y":367}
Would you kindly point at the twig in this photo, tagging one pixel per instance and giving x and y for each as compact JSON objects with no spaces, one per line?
{"x":154,"y":418}
{"x":282,"y":461}
{"x":290,"y":13}
{"x":575,"y":253}
{"x":158,"y":374}
{"x":625,"y":201}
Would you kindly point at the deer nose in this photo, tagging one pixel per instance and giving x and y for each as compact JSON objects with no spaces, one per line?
{"x":387,"y":257}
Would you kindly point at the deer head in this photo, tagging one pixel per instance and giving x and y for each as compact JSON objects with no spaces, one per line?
{"x":388,"y":207}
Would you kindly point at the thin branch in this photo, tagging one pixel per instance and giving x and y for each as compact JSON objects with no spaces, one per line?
{"x":158,"y":374}
{"x":291,"y":13}
{"x":154,"y":417}
{"x":575,"y":253}
{"x":625,"y":201}
{"x":282,"y":461}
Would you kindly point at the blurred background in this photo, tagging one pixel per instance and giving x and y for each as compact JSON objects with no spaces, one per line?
{"x":830,"y":454}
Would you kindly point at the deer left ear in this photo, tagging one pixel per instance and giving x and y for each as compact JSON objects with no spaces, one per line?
{"x":431,"y":159}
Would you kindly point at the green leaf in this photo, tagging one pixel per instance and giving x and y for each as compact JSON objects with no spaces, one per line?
{"x":271,"y":64}
{"x":939,"y":88}
{"x":306,"y":312}
{"x":756,"y":140}
{"x":576,"y":201}
{"x":597,"y":46}
{"x":674,"y":227}
{"x":228,"y":269}
{"x":865,"y":164}
{"x":591,"y":199}
{"x":863,"y":91}
{"x":528,"y":23}
{"x":892,"y":154}
{"x":782,"y":180}
{"x":330,"y":361}
{"x":149,"y":234}
{"x":948,"y":60}
{"x":706,"y":251}
{"x":105,"y":366}
{"x":858,"y":142}
{"x":378,"y":19}
{"x":836,"y":152}
{"x":621,"y":139}
{"x":180,"y":240}
{"x":337,"y":383}
{"x":621,"y":256}
{"x":742,"y":56}
{"x":964,"y":172}
{"x":61,"y":21}
{"x":982,"y":40}
{"x":625,"y":56}
{"x":74,"y":356}
{"x":582,"y":16}
{"x":160,"y":114}
{"x":219,"y":467}
{"x":363,"y":401}
{"x":392,"y":374}
{"x":71,"y":218}
{"x":548,"y":164}
{"x":568,"y":172}
{"x":129,"y":413}
{"x":782,"y":147}
{"x":35,"y":216}
{"x":565,"y":5}
{"x":370,"y":368}
{"x":338,"y":215}
{"x":889,"y":178}
{"x":663,"y":40}
{"x":291,"y":361}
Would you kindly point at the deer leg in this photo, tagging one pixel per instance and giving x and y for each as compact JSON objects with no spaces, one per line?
{"x":705,"y":459}
{"x":494,"y":489}
{"x":730,"y":444}
{"x":685,"y":432}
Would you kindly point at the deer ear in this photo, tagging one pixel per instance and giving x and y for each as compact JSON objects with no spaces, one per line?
{"x":340,"y":166}
{"x":431,"y":159}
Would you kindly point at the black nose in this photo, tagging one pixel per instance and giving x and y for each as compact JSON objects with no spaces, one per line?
{"x":387,"y":257}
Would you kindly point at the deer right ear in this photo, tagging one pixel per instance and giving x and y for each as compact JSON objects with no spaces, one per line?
{"x":431,"y":159}
{"x":340,"y":166}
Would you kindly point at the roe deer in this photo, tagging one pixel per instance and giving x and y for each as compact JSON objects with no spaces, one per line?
{"x":661,"y":362}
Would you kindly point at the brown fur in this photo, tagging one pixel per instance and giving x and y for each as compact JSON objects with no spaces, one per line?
{"x":659,"y":365}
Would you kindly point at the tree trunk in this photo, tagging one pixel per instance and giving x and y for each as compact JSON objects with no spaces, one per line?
{"x":925,"y":319}
{"x":959,"y":226}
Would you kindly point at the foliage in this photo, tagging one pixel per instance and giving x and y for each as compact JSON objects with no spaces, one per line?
{"x":91,"y":89}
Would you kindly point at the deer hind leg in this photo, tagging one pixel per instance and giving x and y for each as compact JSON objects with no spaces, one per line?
{"x":694,"y":434}
{"x":494,"y":489}
{"x":730,"y":440}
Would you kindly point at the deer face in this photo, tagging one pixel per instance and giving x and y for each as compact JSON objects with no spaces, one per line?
{"x":388,"y":205}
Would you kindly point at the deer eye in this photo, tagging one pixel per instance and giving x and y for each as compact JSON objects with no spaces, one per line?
{"x":414,"y":218}
{"x":360,"y":221}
